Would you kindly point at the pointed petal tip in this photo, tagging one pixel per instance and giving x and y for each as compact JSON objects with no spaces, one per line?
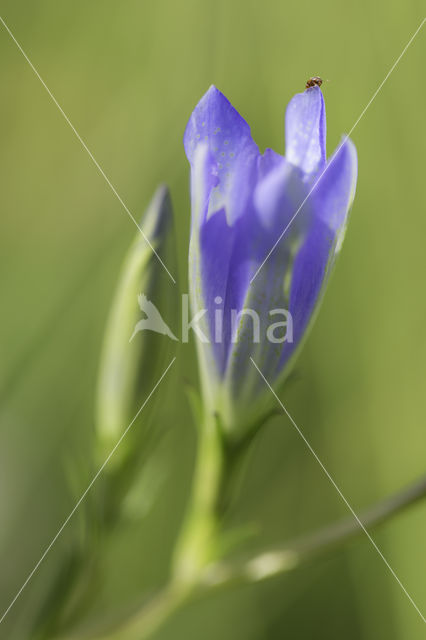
{"x":350,"y":146}
{"x":211,"y":93}
{"x":352,"y":161}
{"x":336,"y":188}
{"x":305,"y":130}
{"x":348,"y":155}
{"x":313,"y":90}
{"x":214,"y":97}
{"x":216,"y":121}
{"x":314,"y":94}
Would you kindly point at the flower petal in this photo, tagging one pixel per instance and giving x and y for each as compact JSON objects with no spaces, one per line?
{"x":305,"y":130}
{"x":278,"y":195}
{"x":335,"y":192}
{"x":331,"y":201}
{"x":217,"y":242}
{"x":276,"y":199}
{"x":216,"y":123}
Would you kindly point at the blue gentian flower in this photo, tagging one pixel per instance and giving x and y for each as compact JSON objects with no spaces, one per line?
{"x":240,"y":259}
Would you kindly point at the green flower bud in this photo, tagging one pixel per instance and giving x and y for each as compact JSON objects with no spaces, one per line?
{"x":133,"y":358}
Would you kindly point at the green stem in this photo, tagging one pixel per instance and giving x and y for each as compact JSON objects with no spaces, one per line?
{"x":196,"y":546}
{"x":287,"y":557}
{"x":148,"y":620}
{"x":195,"y":570}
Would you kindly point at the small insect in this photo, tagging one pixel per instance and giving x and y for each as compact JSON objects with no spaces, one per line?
{"x":315,"y":81}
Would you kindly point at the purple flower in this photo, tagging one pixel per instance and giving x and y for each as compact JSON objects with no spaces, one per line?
{"x":240,"y":259}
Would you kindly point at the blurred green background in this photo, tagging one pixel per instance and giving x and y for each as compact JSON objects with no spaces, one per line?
{"x":128,"y":75}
